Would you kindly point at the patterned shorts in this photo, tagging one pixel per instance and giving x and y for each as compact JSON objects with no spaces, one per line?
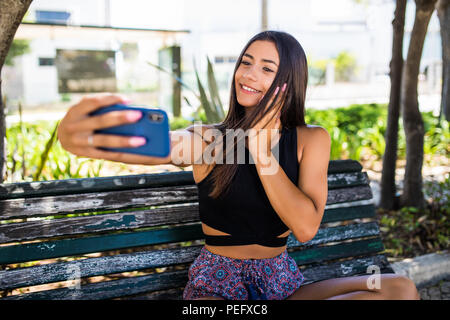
{"x":237,"y":279}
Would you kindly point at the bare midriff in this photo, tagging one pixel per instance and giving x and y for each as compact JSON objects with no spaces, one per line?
{"x":251,"y":251}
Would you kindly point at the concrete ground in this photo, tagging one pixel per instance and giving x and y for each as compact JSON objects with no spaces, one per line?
{"x":430,"y":273}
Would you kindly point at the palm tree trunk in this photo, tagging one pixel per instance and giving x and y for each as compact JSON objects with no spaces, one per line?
{"x":11,"y":14}
{"x":412,"y":119}
{"x":388,"y":190}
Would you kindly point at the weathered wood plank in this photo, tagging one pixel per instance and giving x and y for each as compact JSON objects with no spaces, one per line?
{"x":340,"y":233}
{"x":94,"y":185}
{"x":41,"y":229}
{"x":71,"y":247}
{"x":103,"y":201}
{"x":342,"y":250}
{"x":129,"y":220}
{"x":55,"y":272}
{"x":142,"y":181}
{"x":355,"y":193}
{"x":345,"y":268}
{"x":348,"y":213}
{"x":347,"y":179}
{"x":347,"y":165}
{"x":110,"y":289}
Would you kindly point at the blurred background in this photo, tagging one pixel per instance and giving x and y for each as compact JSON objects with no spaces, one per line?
{"x":348,"y":44}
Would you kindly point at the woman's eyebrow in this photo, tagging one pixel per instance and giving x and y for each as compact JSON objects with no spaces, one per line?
{"x":265,"y":60}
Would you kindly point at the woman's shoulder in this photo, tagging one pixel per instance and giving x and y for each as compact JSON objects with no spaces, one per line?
{"x":311,"y":135}
{"x":311,"y":132}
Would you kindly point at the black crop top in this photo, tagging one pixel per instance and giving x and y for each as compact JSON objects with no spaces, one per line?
{"x":245,"y":212}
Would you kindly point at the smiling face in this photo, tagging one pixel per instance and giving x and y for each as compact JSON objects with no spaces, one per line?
{"x":256,"y":72}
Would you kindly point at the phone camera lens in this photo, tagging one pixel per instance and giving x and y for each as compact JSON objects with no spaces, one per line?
{"x":155,"y":117}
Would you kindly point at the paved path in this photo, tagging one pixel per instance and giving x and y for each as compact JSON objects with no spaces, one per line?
{"x":430,"y":273}
{"x":440,"y":291}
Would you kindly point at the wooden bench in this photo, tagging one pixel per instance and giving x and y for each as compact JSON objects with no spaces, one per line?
{"x":134,"y":237}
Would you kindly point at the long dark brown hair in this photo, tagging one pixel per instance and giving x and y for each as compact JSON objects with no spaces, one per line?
{"x":292,"y":70}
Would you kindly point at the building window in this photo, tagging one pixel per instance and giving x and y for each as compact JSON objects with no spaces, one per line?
{"x":60,"y":17}
{"x":46,"y":62}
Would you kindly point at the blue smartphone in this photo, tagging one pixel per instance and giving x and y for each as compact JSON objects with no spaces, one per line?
{"x":153,"y":126}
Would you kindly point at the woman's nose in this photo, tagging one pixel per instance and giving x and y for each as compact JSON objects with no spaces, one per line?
{"x":250,"y":74}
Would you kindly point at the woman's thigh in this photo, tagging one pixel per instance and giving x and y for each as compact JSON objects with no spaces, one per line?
{"x":334,"y":287}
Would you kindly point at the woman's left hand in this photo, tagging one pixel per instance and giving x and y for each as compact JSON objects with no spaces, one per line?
{"x":265,"y":133}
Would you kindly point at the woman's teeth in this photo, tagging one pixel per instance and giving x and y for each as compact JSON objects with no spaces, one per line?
{"x":249,"y":89}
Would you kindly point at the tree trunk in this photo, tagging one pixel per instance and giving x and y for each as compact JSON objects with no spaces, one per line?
{"x":412,"y":119}
{"x":11,"y":14}
{"x":388,"y":190}
{"x":443,"y":13}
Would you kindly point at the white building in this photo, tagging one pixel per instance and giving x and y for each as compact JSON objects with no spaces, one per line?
{"x":219,"y":29}
{"x":79,"y":25}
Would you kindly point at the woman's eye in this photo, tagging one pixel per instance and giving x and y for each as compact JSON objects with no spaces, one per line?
{"x":245,"y":63}
{"x":267,"y":69}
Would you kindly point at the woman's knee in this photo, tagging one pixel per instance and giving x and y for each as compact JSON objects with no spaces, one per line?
{"x":400,"y":288}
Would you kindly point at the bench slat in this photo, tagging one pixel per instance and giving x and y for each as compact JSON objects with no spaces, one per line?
{"x":342,"y":250}
{"x":349,"y":213}
{"x":70,"y":247}
{"x":345,"y":268}
{"x":40,"y":229}
{"x":101,"y":184}
{"x":129,"y":220}
{"x":341,"y":166}
{"x":55,"y":272}
{"x":339,"y":233}
{"x":111,"y":289}
{"x":104,"y":201}
{"x":93,"y":185}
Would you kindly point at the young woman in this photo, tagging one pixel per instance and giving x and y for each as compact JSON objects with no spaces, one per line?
{"x":247,"y":211}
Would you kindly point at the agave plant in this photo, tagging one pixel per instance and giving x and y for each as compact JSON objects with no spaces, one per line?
{"x":210,"y":103}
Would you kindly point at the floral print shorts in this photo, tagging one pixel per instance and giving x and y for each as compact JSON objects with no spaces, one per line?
{"x":242,"y":279}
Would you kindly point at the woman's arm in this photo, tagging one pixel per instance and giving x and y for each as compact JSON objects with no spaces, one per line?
{"x":301,"y":207}
{"x":76,"y":126}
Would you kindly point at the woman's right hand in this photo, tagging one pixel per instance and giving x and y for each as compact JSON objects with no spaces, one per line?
{"x":76,"y":131}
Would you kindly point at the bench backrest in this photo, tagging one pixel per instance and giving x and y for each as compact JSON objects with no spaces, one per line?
{"x":135,"y":236}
